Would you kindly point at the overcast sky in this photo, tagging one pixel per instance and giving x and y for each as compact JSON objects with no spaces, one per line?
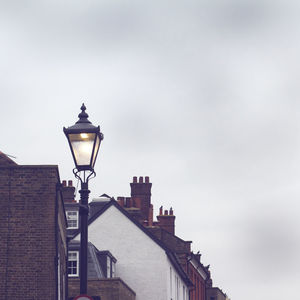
{"x":202,"y":96}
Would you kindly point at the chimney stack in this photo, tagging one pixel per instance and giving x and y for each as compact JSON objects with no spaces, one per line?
{"x":141,"y":195}
{"x":166,"y":221}
{"x":68,"y":191}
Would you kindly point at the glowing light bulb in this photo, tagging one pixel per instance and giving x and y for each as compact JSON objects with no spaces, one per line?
{"x":84,"y":135}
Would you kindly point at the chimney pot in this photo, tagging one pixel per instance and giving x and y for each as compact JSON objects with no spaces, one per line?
{"x":70,"y":183}
{"x":171,"y":211}
{"x":141,"y":179}
{"x":160,"y":210}
{"x":126,"y":201}
{"x":64,"y":183}
{"x":120,"y":201}
{"x":134,"y":179}
{"x":147,"y":179}
{"x":166,"y":212}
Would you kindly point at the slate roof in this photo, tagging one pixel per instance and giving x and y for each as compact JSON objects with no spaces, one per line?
{"x":97,"y":204}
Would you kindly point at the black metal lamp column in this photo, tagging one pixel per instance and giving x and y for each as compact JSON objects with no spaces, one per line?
{"x":84,"y":140}
{"x":83,"y":212}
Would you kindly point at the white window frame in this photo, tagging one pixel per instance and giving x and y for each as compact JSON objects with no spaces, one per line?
{"x":77,"y":260}
{"x":113,"y":269}
{"x":74,"y":217}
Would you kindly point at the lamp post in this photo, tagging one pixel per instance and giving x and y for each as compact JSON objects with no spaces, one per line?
{"x":84,"y":140}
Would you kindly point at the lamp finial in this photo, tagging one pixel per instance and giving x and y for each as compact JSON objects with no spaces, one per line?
{"x":83,"y":116}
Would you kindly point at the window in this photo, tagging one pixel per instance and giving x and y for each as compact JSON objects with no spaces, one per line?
{"x":72,"y":217}
{"x":113,"y":269}
{"x":73,"y":263}
{"x":171,"y":278}
{"x":176,"y":287}
{"x":108,"y":267}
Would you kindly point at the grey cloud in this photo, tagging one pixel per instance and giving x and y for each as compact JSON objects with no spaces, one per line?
{"x":201,"y":96}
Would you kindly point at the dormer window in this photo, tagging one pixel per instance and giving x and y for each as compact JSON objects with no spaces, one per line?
{"x":108,"y":263}
{"x":72,"y":218}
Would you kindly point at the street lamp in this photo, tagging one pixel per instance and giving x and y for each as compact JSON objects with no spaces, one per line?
{"x":84,"y":140}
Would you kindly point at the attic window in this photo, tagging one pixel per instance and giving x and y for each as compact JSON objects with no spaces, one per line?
{"x":73,"y":263}
{"x":113,"y":269}
{"x":108,"y":267}
{"x":72,"y":217}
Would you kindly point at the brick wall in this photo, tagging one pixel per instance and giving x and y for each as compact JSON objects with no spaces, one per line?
{"x":62,"y":246}
{"x":28,"y":232}
{"x":107,"y":289}
{"x":198,"y":291}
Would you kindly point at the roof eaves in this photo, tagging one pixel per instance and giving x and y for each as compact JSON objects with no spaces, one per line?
{"x":200,"y":264}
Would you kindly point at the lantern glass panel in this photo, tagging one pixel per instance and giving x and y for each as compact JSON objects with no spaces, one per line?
{"x":97,"y":144}
{"x":82,"y":146}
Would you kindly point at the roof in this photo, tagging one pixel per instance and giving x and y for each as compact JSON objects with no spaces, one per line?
{"x":5,"y":160}
{"x":97,"y":204}
{"x":104,"y":196}
{"x":177,"y":244}
{"x":196,"y":259}
{"x":217,"y":290}
{"x":112,"y":202}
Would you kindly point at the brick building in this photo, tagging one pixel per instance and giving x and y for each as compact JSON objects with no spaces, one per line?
{"x":33,"y":245}
{"x":108,"y":289}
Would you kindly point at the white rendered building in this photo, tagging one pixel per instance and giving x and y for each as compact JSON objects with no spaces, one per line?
{"x":144,"y":262}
